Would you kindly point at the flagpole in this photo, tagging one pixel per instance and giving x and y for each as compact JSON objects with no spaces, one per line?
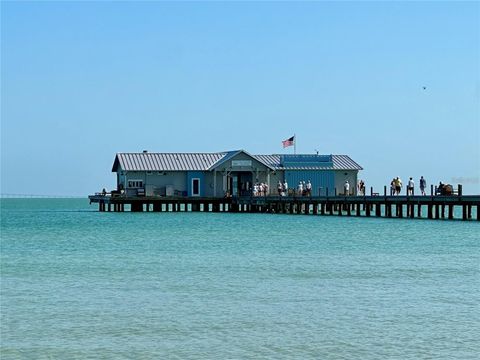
{"x":294,"y":144}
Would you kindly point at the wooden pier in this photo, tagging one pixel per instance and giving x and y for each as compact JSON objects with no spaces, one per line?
{"x":401,"y":206}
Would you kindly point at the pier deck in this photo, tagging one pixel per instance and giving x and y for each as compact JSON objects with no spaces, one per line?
{"x":402,"y":206}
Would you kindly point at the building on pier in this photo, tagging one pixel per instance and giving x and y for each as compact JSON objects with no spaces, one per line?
{"x":232,"y":172}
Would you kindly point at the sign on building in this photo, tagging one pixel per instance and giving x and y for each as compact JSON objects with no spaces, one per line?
{"x":241,"y":163}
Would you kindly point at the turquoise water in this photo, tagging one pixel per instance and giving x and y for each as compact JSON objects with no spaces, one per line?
{"x":76,"y":283}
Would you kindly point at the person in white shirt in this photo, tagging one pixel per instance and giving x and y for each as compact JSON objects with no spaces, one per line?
{"x":346,"y":188}
{"x":309,"y":188}
{"x":410,"y":186}
{"x":285,"y":188}
{"x":300,"y":188}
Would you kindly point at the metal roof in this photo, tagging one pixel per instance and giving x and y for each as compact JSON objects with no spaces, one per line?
{"x":344,"y":162}
{"x":166,"y":161}
{"x":206,"y":161}
{"x":231,"y":154}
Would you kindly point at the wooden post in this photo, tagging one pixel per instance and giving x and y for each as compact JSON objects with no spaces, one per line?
{"x":431,"y":190}
{"x":384,"y":190}
{"x":419,"y":210}
{"x":469,"y":211}
{"x":437,"y":211}
{"x":371,"y":190}
{"x":388,"y":210}
{"x":464,"y":212}
{"x":349,"y":210}
{"x":137,"y":207}
{"x":378,"y":209}
{"x":478,"y":212}
{"x":357,"y":208}
{"x":315,"y":208}
{"x":412,"y":210}
{"x":450,"y":211}
{"x":429,"y":211}
{"x":367,"y":210}
{"x":322,"y":208}
{"x":400,"y":210}
{"x":443,"y":211}
{"x":460,"y":190}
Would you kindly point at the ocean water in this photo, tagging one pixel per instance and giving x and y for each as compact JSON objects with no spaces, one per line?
{"x":78,"y":284}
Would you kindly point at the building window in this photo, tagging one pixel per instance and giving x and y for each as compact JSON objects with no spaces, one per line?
{"x":135,"y":184}
{"x":196,"y":187}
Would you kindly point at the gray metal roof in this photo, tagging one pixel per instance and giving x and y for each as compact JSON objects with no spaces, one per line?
{"x":231,"y":154}
{"x":206,"y":161}
{"x":166,"y":161}
{"x":344,"y":162}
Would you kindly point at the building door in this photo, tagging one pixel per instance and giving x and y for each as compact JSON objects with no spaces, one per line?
{"x":245,"y":183}
{"x":235,"y":185}
{"x":195,"y":187}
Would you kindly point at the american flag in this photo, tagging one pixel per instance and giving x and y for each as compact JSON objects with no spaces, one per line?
{"x":288,"y":142}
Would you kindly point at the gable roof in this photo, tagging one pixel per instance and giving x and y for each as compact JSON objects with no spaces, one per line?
{"x":231,"y":154}
{"x":209,"y":161}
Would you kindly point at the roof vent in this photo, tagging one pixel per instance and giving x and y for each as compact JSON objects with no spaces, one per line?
{"x":145,"y":151}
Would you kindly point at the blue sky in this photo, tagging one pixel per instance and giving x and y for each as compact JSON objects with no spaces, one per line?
{"x":82,"y":81}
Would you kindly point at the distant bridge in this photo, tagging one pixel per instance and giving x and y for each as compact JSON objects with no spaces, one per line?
{"x":39,"y":196}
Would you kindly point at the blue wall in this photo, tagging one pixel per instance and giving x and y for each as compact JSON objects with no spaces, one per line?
{"x":325,"y":161}
{"x":318,"y":178}
{"x":195,"y":174}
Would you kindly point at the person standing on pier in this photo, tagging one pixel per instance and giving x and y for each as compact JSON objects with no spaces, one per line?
{"x":285,"y":188}
{"x":309,"y":188}
{"x":410,"y":186}
{"x":423,"y":185}
{"x":398,"y":185}
{"x":392,"y":187}
{"x":300,"y":188}
{"x":346,"y":188}
{"x":279,"y":188}
{"x":362,"y":187}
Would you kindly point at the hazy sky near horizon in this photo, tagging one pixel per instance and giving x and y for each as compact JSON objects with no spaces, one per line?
{"x":82,"y":81}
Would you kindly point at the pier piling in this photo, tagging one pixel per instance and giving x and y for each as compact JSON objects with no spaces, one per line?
{"x":437,"y":207}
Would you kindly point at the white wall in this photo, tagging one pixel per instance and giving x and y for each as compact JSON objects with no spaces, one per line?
{"x":341,"y":176}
